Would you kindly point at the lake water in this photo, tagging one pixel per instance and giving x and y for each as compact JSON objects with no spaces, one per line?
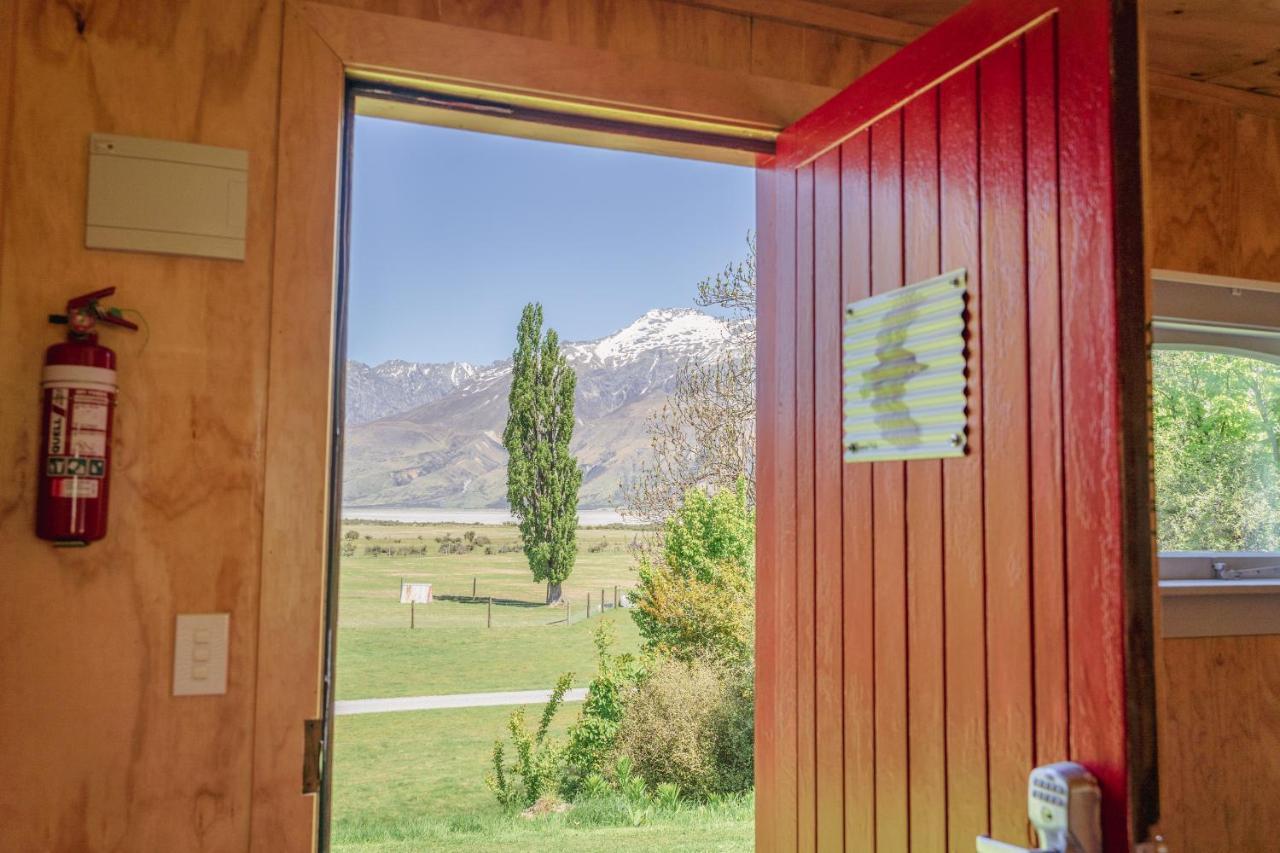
{"x":586,"y":517}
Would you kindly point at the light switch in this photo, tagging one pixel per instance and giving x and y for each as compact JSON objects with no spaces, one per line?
{"x":200,"y":654}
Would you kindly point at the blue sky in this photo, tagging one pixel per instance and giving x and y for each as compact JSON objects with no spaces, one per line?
{"x":453,"y":232}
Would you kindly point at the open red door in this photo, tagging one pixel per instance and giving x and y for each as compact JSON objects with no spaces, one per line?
{"x":931,"y":630}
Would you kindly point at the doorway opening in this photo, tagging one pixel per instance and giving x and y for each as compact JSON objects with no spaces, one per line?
{"x":542,"y":565}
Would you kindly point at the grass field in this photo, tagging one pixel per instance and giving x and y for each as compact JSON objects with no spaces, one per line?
{"x":413,"y":781}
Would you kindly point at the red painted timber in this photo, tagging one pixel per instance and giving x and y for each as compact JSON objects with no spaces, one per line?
{"x":770,"y":814}
{"x":1048,"y":555}
{"x":828,"y":520}
{"x":1010,"y":720}
{"x":892,"y":806}
{"x":859,"y":574}
{"x":806,"y":641}
{"x":926,"y":620}
{"x":937,"y":54}
{"x":962,"y":488}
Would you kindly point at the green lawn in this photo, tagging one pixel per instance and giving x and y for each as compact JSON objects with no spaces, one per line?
{"x":414,"y":781}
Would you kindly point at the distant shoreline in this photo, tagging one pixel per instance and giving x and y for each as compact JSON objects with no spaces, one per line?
{"x":435,"y":515}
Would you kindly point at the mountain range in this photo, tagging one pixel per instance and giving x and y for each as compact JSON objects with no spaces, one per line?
{"x":430,"y":435}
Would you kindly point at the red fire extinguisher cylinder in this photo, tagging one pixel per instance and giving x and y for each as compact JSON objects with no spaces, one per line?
{"x":79,"y":387}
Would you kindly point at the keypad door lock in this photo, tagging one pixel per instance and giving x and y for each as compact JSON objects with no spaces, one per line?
{"x":1064,"y":804}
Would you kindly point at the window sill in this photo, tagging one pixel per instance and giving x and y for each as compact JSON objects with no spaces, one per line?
{"x":1219,"y":608}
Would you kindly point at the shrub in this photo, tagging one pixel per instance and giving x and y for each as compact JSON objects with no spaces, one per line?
{"x":593,"y":738}
{"x":690,"y":724}
{"x":696,"y":599}
{"x":535,"y":770}
{"x":351,"y":534}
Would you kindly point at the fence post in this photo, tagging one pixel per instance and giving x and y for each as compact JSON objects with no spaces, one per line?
{"x":490,"y":622}
{"x":411,"y":609}
{"x":615,"y":596}
{"x":473,"y":588}
{"x":601,"y":601}
{"x":588,"y":605}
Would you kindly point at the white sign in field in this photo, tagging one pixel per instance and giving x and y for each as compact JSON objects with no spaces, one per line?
{"x":415,"y":593}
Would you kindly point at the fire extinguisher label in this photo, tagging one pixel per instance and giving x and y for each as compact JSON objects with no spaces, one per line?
{"x":58,"y":422}
{"x":73,"y":487}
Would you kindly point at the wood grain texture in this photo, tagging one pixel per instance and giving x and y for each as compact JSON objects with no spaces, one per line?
{"x":926,"y":617}
{"x":98,"y":754}
{"x":800,"y":41}
{"x":1219,"y":738}
{"x":1011,"y":713}
{"x":958,"y":576}
{"x":893,"y":819}
{"x":828,"y":515}
{"x":859,"y":546}
{"x":770,"y":711}
{"x":1258,"y":207}
{"x":1044,"y":311}
{"x":968,"y":797}
{"x":1193,"y":183}
{"x":806,"y":590}
{"x":295,"y":510}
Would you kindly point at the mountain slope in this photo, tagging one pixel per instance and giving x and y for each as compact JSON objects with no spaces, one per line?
{"x":447,"y":451}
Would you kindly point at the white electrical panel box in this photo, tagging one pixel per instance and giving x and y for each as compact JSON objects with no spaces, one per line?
{"x":200,"y":654}
{"x":175,"y":198}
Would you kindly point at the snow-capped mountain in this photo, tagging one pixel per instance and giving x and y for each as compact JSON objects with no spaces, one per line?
{"x":397,"y":386}
{"x":447,"y":451}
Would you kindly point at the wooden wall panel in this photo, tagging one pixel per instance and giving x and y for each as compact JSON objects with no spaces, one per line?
{"x":1005,"y":426}
{"x":828,"y":515}
{"x":106,"y":757}
{"x":859,"y":568}
{"x":1212,"y":196}
{"x":926,"y":618}
{"x":1213,"y":193}
{"x":889,"y":534}
{"x":1219,"y":743}
{"x":805,"y":472}
{"x":97,"y":754}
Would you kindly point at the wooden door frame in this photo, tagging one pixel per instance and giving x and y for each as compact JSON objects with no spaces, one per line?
{"x":323,"y":47}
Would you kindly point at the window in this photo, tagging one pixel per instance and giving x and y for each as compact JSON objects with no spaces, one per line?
{"x":1216,"y":401}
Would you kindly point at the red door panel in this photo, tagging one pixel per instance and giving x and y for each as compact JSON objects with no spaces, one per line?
{"x":931,"y":630}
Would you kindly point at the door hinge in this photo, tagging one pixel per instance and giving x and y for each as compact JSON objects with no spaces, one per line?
{"x":312,"y":755}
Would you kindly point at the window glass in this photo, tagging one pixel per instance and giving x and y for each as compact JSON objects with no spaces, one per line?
{"x":1217,"y":451}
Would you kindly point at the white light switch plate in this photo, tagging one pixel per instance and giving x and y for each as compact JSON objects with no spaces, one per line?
{"x":200,"y":654}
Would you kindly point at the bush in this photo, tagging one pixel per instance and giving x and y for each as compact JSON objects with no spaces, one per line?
{"x":690,"y":724}
{"x":351,"y":534}
{"x":593,"y":738}
{"x":535,"y":770}
{"x":697,"y":599}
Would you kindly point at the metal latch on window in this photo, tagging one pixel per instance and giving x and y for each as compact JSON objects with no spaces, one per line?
{"x":1221,"y":572}
{"x":1064,"y":804}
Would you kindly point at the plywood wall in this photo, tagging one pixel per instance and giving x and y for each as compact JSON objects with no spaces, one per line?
{"x":1215,"y":187}
{"x":1213,"y":205}
{"x":97,"y":754}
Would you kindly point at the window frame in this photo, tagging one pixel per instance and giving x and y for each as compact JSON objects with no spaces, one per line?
{"x":1199,"y":313}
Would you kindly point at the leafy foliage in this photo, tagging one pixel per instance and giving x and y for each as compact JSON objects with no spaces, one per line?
{"x":704,"y":436}
{"x":1217,"y":451}
{"x":535,"y":770}
{"x":690,"y":725}
{"x":593,"y":738}
{"x":696,"y":598}
{"x":543,"y":478}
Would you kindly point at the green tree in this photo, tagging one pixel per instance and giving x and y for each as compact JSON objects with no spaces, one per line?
{"x":542,"y":476}
{"x":696,"y":598}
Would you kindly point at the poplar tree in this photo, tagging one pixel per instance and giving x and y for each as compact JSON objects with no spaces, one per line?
{"x":542,"y":476}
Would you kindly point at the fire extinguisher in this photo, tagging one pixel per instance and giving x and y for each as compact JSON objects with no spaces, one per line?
{"x":79,"y":383}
